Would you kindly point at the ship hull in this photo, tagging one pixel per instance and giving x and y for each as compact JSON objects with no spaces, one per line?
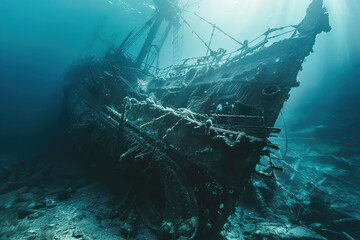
{"x":181,"y":159}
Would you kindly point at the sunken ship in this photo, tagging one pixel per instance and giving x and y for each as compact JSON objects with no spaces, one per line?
{"x":180,"y":143}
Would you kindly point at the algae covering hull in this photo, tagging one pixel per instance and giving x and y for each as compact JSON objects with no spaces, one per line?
{"x":180,"y":148}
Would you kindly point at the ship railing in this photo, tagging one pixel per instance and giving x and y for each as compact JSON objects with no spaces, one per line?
{"x":221,"y":57}
{"x":269,"y":37}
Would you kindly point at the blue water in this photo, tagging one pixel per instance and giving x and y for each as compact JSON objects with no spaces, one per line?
{"x":38,"y":42}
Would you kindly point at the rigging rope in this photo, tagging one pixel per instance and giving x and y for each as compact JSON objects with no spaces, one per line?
{"x":138,"y":34}
{"x":193,"y":31}
{"x":211,"y":38}
{"x":286,"y":136}
{"x":244,"y":46}
{"x":210,"y":23}
{"x":175,"y":43}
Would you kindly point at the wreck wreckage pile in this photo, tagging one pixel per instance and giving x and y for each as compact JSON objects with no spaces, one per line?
{"x":183,"y":141}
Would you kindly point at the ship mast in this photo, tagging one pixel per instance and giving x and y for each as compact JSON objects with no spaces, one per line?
{"x":166,"y":11}
{"x":170,"y":14}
